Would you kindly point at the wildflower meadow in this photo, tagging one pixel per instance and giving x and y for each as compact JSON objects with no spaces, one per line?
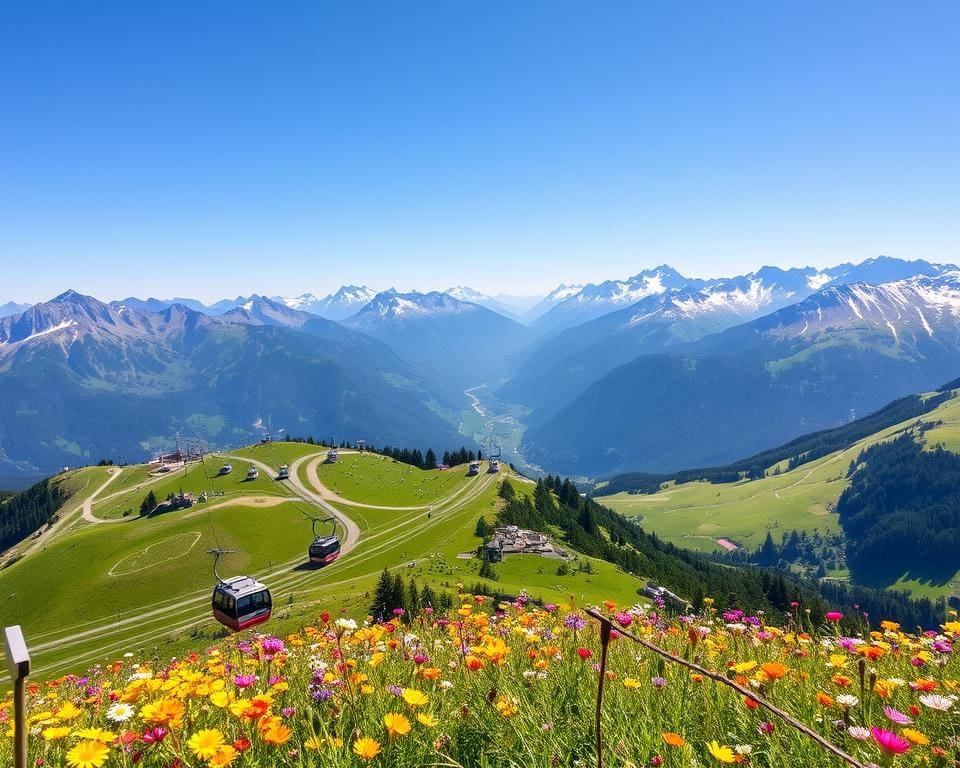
{"x":511,"y":684}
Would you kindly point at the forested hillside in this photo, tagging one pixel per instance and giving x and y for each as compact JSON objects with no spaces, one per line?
{"x":901,"y":513}
{"x":797,"y":452}
{"x":598,"y":531}
{"x":22,"y":514}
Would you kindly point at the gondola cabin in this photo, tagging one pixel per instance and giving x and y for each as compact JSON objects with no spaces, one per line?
{"x":226,"y":469}
{"x":241,"y":602}
{"x":284,"y":472}
{"x":324,"y":549}
{"x":253,"y":473}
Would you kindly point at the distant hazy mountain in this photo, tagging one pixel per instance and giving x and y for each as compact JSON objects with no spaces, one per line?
{"x":159,"y":305}
{"x":595,"y":300}
{"x":224,"y":305}
{"x":476,"y":297}
{"x":457,"y":342}
{"x":348,"y":300}
{"x":882,"y":269}
{"x":548,"y":302}
{"x":12,"y":308}
{"x":82,"y":380}
{"x":836,"y":355}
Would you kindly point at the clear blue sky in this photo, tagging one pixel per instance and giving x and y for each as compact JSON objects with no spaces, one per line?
{"x":216,"y":148}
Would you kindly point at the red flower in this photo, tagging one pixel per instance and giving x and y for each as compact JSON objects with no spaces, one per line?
{"x":241,"y":745}
{"x":584,"y":653}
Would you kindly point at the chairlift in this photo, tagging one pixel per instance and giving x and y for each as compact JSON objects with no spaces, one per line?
{"x":239,"y":602}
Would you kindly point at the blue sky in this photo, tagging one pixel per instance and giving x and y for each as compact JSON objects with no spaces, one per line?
{"x":216,"y":148}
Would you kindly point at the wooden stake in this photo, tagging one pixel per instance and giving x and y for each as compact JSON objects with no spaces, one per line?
{"x":606,"y":625}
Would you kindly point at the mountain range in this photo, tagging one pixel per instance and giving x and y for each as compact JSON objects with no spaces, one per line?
{"x":82,"y":380}
{"x":654,"y":372}
{"x":563,"y":363}
{"x":838,"y":354}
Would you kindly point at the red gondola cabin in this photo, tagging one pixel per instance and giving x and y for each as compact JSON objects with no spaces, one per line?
{"x":324,"y":549}
{"x":241,"y":602}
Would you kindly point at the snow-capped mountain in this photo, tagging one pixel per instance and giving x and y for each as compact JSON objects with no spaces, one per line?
{"x":260,"y":310}
{"x":305,"y":302}
{"x":766,"y":289}
{"x":833,"y":356}
{"x":554,"y":373}
{"x":114,"y":378}
{"x":473,"y":296}
{"x":113,"y":347}
{"x":392,"y":308}
{"x":923,"y":307}
{"x":882,"y":269}
{"x":594,"y":300}
{"x":12,"y":308}
{"x":348,"y":300}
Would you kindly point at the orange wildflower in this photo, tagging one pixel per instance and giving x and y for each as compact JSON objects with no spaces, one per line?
{"x":773,"y":670}
{"x":672,"y":739}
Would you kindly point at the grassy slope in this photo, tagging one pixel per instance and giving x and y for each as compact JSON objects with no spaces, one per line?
{"x":373,"y":479}
{"x":126,"y":493}
{"x":87,"y":615}
{"x":694,"y":515}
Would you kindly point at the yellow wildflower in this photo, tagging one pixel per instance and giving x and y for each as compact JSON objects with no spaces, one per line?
{"x":366,"y":748}
{"x":206,"y":743}
{"x":88,"y":754}
{"x":397,"y":724}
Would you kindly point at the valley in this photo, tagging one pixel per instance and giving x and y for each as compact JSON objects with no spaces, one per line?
{"x":492,"y":424}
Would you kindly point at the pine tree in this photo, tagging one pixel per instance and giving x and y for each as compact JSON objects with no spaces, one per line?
{"x":483,"y":529}
{"x":428,"y":598}
{"x":148,"y":504}
{"x":398,"y":594}
{"x":381,"y":597}
{"x":768,"y":554}
{"x":430,"y":461}
{"x":486,"y":570}
{"x":413,"y":599}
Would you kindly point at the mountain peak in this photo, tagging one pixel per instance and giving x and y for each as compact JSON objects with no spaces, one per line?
{"x":71,"y":296}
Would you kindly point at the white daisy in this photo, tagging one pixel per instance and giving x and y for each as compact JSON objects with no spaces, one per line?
{"x":120,"y":712}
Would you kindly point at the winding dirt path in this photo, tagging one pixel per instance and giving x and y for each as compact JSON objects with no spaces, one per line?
{"x":87,"y":508}
{"x":240,"y":501}
{"x":352,"y":535}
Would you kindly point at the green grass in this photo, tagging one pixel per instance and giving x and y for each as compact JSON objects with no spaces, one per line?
{"x":124,"y":495}
{"x":143,"y":584}
{"x":693,"y":515}
{"x":373,"y":479}
{"x":82,"y":482}
{"x":276,"y":453}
